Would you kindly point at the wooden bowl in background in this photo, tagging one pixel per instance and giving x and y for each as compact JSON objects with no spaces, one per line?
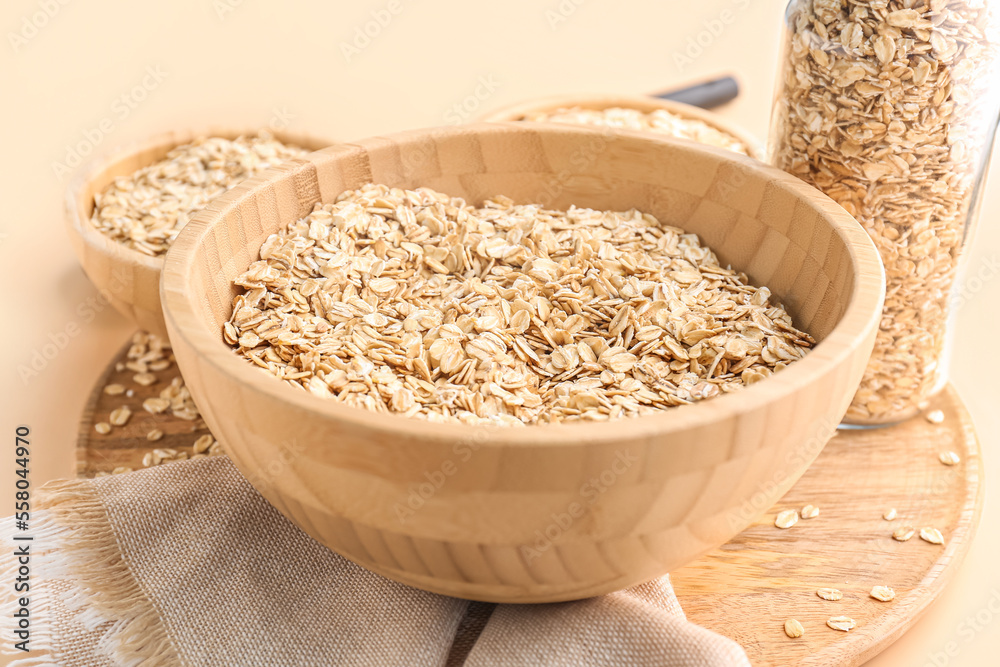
{"x":646,"y":104}
{"x":488,"y":513}
{"x":128,"y":278}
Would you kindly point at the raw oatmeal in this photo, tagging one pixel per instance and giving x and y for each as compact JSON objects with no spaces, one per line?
{"x":146,"y":211}
{"x":418,"y":303}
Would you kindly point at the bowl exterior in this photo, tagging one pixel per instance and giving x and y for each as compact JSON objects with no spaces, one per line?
{"x":543,"y":513}
{"x":517,"y":524}
{"x":127,"y":279}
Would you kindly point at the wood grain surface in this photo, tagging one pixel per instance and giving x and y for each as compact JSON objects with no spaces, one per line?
{"x":747,"y":588}
{"x":495,"y":530}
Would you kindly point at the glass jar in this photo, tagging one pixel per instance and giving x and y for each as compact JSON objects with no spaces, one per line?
{"x":890,"y":107}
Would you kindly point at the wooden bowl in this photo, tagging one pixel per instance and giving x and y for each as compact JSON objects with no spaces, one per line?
{"x":517,"y":112}
{"x":546,"y":512}
{"x":129,"y":279}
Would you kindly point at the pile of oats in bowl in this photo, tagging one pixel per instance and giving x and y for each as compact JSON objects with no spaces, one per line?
{"x":146,"y":210}
{"x":888,"y":107}
{"x":417,"y":303}
{"x":658,"y":120}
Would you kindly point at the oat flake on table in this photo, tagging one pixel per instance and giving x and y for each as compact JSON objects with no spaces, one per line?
{"x":882,"y":106}
{"x":786,"y":519}
{"x":793,"y":628}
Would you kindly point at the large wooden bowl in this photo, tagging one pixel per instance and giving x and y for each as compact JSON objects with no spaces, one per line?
{"x":540,"y":513}
{"x":644,"y":103}
{"x":129,"y":279}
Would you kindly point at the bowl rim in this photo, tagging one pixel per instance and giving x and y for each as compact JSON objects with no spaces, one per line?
{"x":644,"y":103}
{"x":80,"y":224}
{"x":857,"y":325}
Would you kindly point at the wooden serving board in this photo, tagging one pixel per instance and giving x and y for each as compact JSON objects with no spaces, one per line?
{"x":747,"y":588}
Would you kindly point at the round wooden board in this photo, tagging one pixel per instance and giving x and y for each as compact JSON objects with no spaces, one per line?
{"x":747,"y":588}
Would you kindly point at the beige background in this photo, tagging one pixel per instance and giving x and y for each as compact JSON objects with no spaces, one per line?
{"x":254,"y":62}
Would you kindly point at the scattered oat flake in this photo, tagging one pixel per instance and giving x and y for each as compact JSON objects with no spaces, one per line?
{"x":786,"y":519}
{"x":119,"y":416}
{"x":155,"y":405}
{"x":932,"y":535}
{"x":148,"y":460}
{"x":145,"y":210}
{"x":114,"y":390}
{"x":203,"y":444}
{"x":186,"y":413}
{"x":810,"y":512}
{"x":121,"y":469}
{"x":154,"y":435}
{"x":102,"y":427}
{"x":890,"y":514}
{"x":793,"y":628}
{"x":935,"y":416}
{"x":949,"y":458}
{"x":883,"y":593}
{"x":903,"y":534}
{"x":145,"y":379}
{"x":831,"y":594}
{"x":842,"y":623}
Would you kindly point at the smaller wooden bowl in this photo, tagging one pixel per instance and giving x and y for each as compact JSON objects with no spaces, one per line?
{"x":129,"y":279}
{"x":641,"y":102}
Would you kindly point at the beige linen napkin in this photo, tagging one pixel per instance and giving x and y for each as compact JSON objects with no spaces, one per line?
{"x":186,"y":564}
